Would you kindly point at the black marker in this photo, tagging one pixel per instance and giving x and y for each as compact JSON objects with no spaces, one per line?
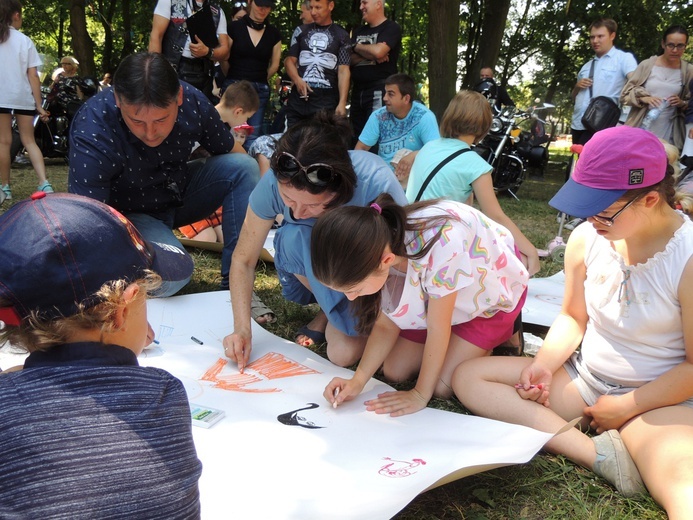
{"x":196,"y":340}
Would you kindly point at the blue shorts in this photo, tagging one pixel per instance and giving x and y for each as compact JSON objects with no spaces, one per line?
{"x":292,"y":257}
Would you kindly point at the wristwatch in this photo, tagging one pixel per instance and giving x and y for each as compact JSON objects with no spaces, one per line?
{"x":210,"y":54}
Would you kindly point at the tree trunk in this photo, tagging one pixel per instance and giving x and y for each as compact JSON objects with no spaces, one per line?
{"x":82,"y":43}
{"x":443,"y":28}
{"x":128,"y":47}
{"x":495,"y":14}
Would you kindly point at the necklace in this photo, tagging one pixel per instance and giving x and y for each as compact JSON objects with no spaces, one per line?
{"x":258,"y":26}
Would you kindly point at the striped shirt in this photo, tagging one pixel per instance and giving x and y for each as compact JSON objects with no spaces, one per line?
{"x":87,"y":433}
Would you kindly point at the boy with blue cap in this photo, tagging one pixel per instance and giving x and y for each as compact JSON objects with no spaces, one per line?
{"x":85,"y":431}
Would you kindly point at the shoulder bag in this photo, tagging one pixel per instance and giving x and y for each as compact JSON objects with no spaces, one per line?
{"x":601,"y":112}
{"x":436,"y":170}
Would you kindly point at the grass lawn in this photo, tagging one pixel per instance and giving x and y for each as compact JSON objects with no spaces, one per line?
{"x":548,"y":487}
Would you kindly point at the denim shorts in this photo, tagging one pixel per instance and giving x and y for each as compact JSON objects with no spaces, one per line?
{"x":592,"y":387}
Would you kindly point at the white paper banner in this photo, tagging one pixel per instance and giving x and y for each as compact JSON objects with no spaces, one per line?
{"x":342,"y":463}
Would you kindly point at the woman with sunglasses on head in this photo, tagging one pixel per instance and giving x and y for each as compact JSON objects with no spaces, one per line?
{"x":661,"y":83}
{"x":434,"y":284}
{"x":628,"y":302}
{"x":312,"y":171}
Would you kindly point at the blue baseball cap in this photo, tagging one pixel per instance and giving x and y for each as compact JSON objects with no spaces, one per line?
{"x":58,"y":250}
{"x":612,"y":162}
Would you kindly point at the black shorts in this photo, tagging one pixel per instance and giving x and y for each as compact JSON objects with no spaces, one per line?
{"x":17,"y":111}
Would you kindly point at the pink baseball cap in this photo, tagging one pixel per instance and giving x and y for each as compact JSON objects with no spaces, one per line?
{"x":614,"y":161}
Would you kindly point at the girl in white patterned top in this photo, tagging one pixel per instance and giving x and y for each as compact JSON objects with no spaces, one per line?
{"x":433,"y":284}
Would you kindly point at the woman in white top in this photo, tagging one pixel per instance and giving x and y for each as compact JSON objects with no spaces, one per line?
{"x":627,"y":301}
{"x":20,"y":94}
{"x":658,"y":79}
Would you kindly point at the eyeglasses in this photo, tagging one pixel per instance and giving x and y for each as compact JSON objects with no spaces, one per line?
{"x":240,"y":4}
{"x":318,"y":174}
{"x":675,"y":46}
{"x":609,"y":221}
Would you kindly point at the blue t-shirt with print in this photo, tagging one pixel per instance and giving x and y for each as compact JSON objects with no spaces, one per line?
{"x":392,"y":134}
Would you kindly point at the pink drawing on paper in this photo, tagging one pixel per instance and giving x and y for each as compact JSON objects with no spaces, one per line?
{"x":400,"y":468}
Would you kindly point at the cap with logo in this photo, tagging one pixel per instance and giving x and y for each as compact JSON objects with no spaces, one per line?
{"x":612,"y":162}
{"x":58,"y":250}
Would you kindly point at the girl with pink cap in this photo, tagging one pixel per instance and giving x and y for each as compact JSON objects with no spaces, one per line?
{"x":620,"y":354}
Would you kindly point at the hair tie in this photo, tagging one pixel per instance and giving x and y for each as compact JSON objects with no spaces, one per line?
{"x":377,"y":208}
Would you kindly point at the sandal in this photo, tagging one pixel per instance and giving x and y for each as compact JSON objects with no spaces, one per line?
{"x":317,"y":337}
{"x":259,"y":309}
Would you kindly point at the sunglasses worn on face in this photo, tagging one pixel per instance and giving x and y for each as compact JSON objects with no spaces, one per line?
{"x":609,"y":221}
{"x":318,"y":174}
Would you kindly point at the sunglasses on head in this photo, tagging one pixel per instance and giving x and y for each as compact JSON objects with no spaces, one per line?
{"x":287,"y":166}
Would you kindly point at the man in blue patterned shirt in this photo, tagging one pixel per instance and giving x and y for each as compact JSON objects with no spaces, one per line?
{"x":129,"y":148}
{"x":402,"y":124}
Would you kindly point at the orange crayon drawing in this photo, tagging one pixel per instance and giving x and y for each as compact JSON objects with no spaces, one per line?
{"x":270,"y":366}
{"x":276,"y":366}
{"x":400,"y":468}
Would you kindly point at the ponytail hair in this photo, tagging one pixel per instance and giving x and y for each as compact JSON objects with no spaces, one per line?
{"x":347,"y":245}
{"x":8,"y":8}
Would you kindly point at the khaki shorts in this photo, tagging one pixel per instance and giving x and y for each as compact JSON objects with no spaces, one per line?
{"x":592,"y":387}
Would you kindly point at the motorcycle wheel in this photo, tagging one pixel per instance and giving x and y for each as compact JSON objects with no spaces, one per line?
{"x":16,"y":145}
{"x":508,"y":174}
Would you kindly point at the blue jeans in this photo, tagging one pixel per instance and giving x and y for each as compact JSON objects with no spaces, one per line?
{"x":223,"y":180}
{"x":258,"y":117}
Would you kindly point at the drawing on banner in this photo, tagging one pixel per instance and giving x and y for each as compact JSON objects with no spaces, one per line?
{"x":270,"y":366}
{"x":550,"y":298}
{"x":293,"y":419}
{"x":164,"y":331}
{"x":400,"y":468}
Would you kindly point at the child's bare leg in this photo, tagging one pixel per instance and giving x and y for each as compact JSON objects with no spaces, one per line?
{"x":26,"y":134}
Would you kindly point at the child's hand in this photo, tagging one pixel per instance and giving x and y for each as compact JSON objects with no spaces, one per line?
{"x":397,"y":403}
{"x":534,"y":384}
{"x":610,"y":412}
{"x":339,"y":390}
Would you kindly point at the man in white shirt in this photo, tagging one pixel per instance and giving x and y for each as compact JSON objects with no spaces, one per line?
{"x":604,"y":75}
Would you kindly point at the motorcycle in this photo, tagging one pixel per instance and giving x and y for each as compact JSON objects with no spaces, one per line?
{"x":512,"y":151}
{"x":52,"y":136}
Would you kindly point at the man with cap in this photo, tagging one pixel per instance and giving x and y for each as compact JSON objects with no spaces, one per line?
{"x":628,"y":306}
{"x":129,"y":147}
{"x":192,"y":57}
{"x":85,"y":428}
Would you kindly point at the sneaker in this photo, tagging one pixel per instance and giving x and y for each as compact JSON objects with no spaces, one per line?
{"x":8,"y":192}
{"x":573,"y":224}
{"x":46,"y":187}
{"x":21,"y":159}
{"x":615,"y":465}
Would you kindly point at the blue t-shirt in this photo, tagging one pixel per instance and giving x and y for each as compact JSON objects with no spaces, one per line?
{"x":373,"y":178}
{"x":109,"y":164}
{"x":454,"y":180}
{"x":392,"y":134}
